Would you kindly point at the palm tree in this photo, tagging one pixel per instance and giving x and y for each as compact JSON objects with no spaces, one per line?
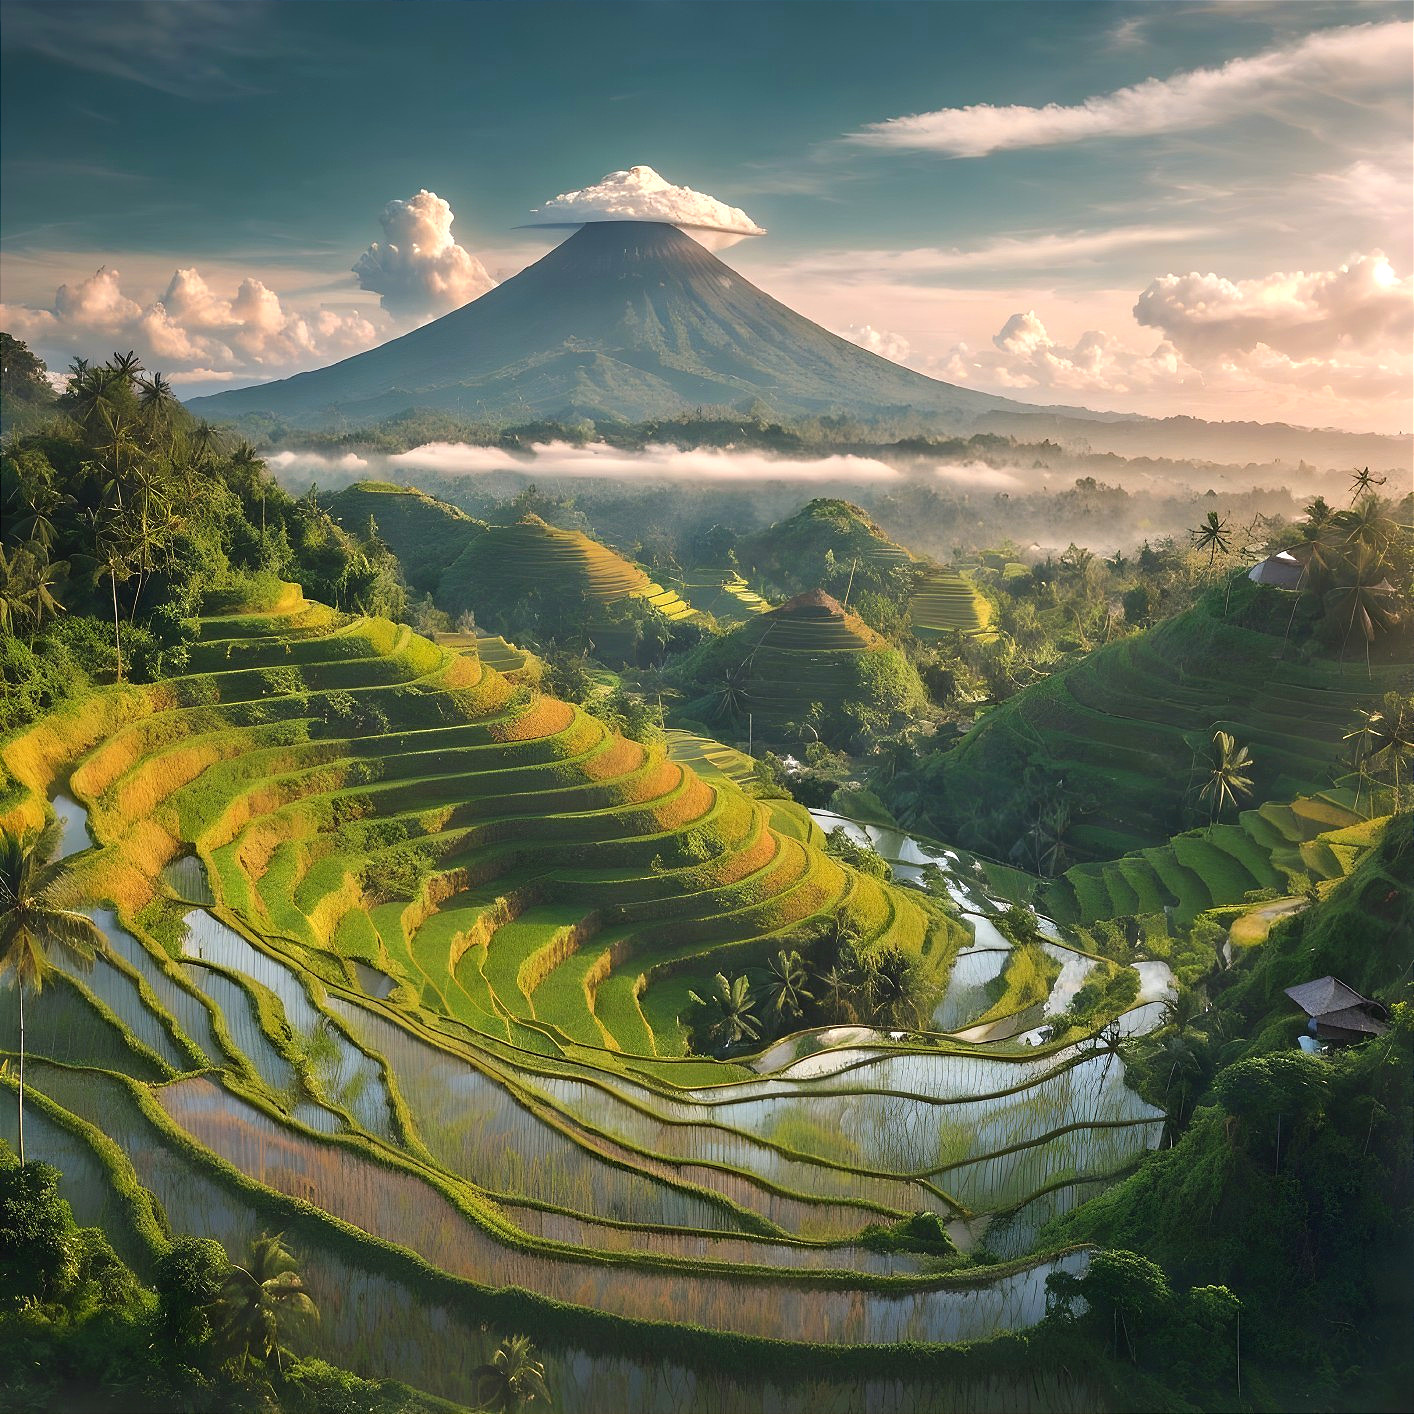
{"x":1363,"y":484}
{"x":26,"y":588}
{"x":1227,"y":776}
{"x":785,"y":987}
{"x":1211,"y":536}
{"x":513,"y":1379}
{"x":156,"y":399}
{"x":1361,"y":597}
{"x":263,"y":1306}
{"x":115,"y":561}
{"x":33,"y":919}
{"x":1316,"y":559}
{"x":1366,"y":526}
{"x":1318,"y":515}
{"x":734,"y":1017}
{"x":1386,"y":731}
{"x":839,"y":986}
{"x":730,"y":696}
{"x":888,"y":983}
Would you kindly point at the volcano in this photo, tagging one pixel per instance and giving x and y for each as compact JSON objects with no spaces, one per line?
{"x":625,"y":321}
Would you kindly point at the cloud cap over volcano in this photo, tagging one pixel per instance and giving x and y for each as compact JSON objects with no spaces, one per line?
{"x":640,"y":194}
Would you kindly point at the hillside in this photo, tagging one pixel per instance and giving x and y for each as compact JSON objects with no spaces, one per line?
{"x":724,"y":594}
{"x":530,"y":576}
{"x":424,"y":533}
{"x":1291,"y":1184}
{"x":1123,"y":735}
{"x":808,"y":666}
{"x":945,"y":602}
{"x":623,"y":321}
{"x":385,"y":937}
{"x":825,"y":543}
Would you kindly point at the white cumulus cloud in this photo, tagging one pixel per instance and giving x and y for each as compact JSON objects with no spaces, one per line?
{"x":1346,"y":61}
{"x":190,"y":330}
{"x":1025,"y":356}
{"x":1303,"y":347}
{"x":640,"y":194}
{"x":880,"y":341}
{"x":419,"y":270}
{"x":1362,"y":305}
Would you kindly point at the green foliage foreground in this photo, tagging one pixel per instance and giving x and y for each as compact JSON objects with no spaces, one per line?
{"x":1293,"y":1185}
{"x":79,"y":1332}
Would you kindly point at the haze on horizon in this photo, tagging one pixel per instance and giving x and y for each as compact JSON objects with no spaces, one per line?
{"x":1177,"y":209}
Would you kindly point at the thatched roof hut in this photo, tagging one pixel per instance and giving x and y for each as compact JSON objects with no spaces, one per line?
{"x":1338,"y":1012}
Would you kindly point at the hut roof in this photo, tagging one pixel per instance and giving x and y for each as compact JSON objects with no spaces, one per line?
{"x":1338,"y":1012}
{"x":812,"y":599}
{"x":1351,"y":1021}
{"x":1282,"y":571}
{"x":1323,"y":995}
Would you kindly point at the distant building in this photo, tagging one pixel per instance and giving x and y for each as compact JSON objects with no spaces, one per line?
{"x":1281,"y":571}
{"x":1339,"y":1013}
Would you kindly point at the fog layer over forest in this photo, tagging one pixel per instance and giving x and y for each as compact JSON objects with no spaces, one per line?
{"x":1039,"y":497}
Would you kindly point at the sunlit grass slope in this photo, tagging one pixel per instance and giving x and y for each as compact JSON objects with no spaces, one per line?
{"x":724,"y":594}
{"x":946,"y":601}
{"x":809,"y":655}
{"x":570,"y":577}
{"x":1278,"y":847}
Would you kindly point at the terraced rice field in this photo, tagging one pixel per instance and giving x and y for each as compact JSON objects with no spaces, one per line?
{"x":533,"y":557}
{"x":489,"y":648}
{"x":799,"y":654}
{"x":946,"y":601}
{"x":1276,"y":846}
{"x":724,"y":594}
{"x":711,"y":758}
{"x":424,"y":533}
{"x":405,"y":984}
{"x":1127,"y":728}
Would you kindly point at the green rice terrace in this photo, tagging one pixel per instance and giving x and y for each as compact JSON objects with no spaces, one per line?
{"x":564,"y":573}
{"x":399,"y":962}
{"x":724,"y":594}
{"x":811,"y":661}
{"x":823,"y":540}
{"x":424,"y":533}
{"x":1126,"y":729}
{"x":947,"y":601}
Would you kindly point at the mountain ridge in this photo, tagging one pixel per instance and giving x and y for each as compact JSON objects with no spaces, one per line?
{"x":624,"y":320}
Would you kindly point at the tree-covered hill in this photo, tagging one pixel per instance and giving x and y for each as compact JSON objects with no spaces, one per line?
{"x":425,"y":534}
{"x":1121,"y":744}
{"x":808,"y":670}
{"x":121,"y":512}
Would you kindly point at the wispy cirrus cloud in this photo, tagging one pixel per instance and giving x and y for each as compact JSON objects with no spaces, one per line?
{"x":189,"y":50}
{"x":1045,"y":251}
{"x":1348,"y":61}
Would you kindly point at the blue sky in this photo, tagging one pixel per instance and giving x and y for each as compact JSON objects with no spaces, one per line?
{"x":260,"y":141}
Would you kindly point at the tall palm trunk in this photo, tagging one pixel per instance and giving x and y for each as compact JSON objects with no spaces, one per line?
{"x":117,"y":642}
{"x":22,"y":1074}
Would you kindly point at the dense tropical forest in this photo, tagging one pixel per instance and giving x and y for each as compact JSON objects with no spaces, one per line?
{"x":533,"y":942}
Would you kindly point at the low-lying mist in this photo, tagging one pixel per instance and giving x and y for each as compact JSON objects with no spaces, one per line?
{"x":934,"y":506}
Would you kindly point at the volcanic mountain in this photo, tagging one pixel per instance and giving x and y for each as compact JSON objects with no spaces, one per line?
{"x":625,"y":321}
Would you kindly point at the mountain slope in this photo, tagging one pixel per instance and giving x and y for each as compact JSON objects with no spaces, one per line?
{"x":624,"y":320}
